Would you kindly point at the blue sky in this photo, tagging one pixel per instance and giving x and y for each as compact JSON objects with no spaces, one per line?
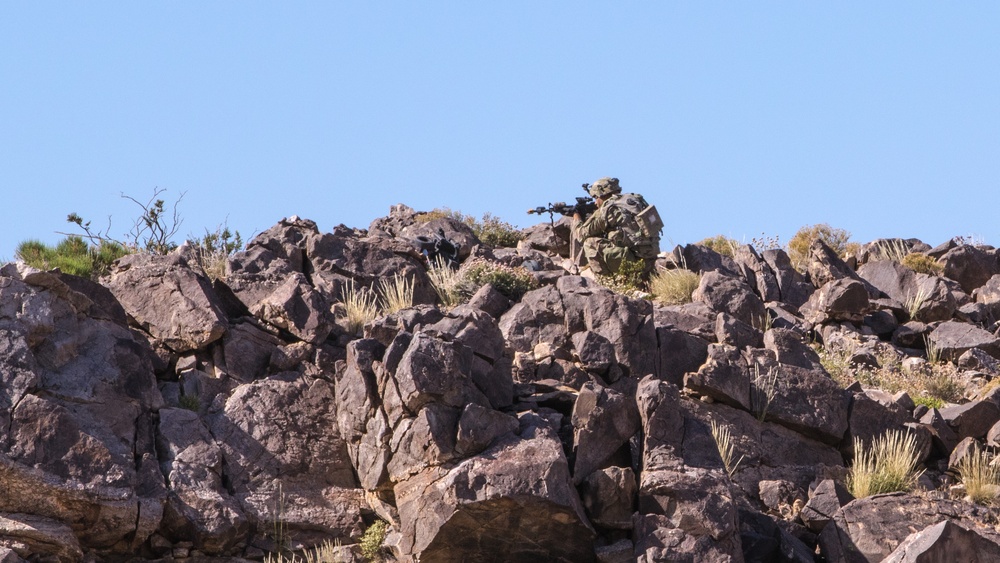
{"x":733,"y":118}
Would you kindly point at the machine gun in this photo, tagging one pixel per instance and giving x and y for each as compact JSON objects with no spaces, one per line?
{"x":584,"y":206}
{"x":438,"y":247}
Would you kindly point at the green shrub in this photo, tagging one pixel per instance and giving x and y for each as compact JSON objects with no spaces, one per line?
{"x":214,"y":249}
{"x":673,"y":287}
{"x":721,"y":244}
{"x":627,"y":280}
{"x":72,"y":256}
{"x":494,"y":232}
{"x":887,"y":465}
{"x":836,"y":239}
{"x":928,"y":401}
{"x":373,"y":539}
{"x":923,"y":264}
{"x":512,"y":282}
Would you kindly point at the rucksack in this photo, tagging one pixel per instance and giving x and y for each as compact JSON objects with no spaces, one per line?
{"x":641,"y":223}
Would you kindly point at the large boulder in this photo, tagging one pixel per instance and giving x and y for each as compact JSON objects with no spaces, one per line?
{"x":952,"y":339}
{"x":65,"y":456}
{"x":285,"y":461}
{"x":168,"y":299}
{"x":945,"y":541}
{"x":730,"y":294}
{"x":929,"y":297}
{"x":843,"y":299}
{"x":793,"y":287}
{"x":970,"y":266}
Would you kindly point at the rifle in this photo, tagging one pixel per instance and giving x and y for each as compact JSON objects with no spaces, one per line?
{"x":438,"y":247}
{"x":584,"y":206}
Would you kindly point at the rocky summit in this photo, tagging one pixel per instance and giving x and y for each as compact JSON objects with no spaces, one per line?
{"x":159,"y":414}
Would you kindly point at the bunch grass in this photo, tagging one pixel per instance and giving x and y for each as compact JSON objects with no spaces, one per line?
{"x":889,"y":464}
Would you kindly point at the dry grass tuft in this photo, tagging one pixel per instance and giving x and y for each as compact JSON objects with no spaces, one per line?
{"x":980,"y":476}
{"x":888,"y":465}
{"x":673,"y":287}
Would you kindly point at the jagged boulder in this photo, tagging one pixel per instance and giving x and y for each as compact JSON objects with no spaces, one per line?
{"x":730,"y":294}
{"x":929,"y":296}
{"x":65,"y":457}
{"x":843,"y":299}
{"x":945,"y":541}
{"x":952,"y":339}
{"x":870,"y":529}
{"x":169,"y":300}
{"x":793,"y":287}
{"x":285,"y":460}
{"x":757,"y":272}
{"x":970,"y":266}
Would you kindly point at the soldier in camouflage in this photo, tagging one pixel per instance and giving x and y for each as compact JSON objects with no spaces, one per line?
{"x":613,"y":235}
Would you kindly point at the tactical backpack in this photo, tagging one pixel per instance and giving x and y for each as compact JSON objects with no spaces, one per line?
{"x":641,"y":224}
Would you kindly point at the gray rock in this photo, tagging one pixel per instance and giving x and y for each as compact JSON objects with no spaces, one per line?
{"x":490,"y":301}
{"x":988,"y":295}
{"x":757,"y":272}
{"x":945,"y":541}
{"x":697,"y":319}
{"x":870,"y":529}
{"x":38,"y":538}
{"x":973,"y":419}
{"x":296,"y":307}
{"x":679,"y":353}
{"x":789,"y":348}
{"x":609,"y":497}
{"x":729,"y":294}
{"x":970,"y":266}
{"x":478,"y":427}
{"x":795,"y":289}
{"x":169,"y":300}
{"x":843,"y":299}
{"x":725,"y":377}
{"x":734,"y":332}
{"x":952,"y":339}
{"x":826,"y":499}
{"x":603,"y":420}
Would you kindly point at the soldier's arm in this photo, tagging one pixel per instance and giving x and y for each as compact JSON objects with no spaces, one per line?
{"x":593,"y":226}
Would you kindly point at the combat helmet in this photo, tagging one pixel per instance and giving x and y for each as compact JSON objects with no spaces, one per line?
{"x":605,"y":187}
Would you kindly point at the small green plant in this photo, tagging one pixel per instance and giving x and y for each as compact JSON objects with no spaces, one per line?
{"x":512,"y":282}
{"x":359,"y":306}
{"x":727,"y":450}
{"x":763,"y":389}
{"x":721,"y":244}
{"x":495,"y":232}
{"x":933,"y":351}
{"x":441,"y":213}
{"x":627,"y":280}
{"x":72,"y":255}
{"x":673,"y":287}
{"x":445,"y":281}
{"x":190,"y":402}
{"x":980,"y":476}
{"x":887,"y":465}
{"x":798,"y":246}
{"x":923,"y":264}
{"x":372,"y":541}
{"x":396,"y":293}
{"x":214,"y":249}
{"x":928,"y":401}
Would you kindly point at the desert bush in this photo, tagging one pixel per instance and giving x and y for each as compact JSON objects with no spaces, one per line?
{"x":836,"y":239}
{"x":887,"y":465}
{"x":674,"y":287}
{"x":932,"y":382}
{"x":765,"y":242}
{"x":73,"y":255}
{"x":373,"y":539}
{"x":441,"y":213}
{"x":445,"y":281}
{"x":512,"y":282}
{"x":763,"y":389}
{"x":495,"y":232}
{"x":214,"y":249}
{"x":152,"y":231}
{"x":627,"y":280}
{"x":980,"y":476}
{"x":359,"y":306}
{"x":922,"y":263}
{"x":721,"y":244}
{"x":395,"y":293}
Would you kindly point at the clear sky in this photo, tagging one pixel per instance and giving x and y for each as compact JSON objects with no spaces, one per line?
{"x":881,"y":118}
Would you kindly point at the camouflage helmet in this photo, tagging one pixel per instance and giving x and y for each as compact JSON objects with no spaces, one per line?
{"x":604,"y":187}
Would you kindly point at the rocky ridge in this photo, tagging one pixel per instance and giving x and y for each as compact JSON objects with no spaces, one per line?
{"x":161,"y":415}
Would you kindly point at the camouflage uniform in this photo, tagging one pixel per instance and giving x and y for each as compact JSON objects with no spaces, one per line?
{"x":610,"y":235}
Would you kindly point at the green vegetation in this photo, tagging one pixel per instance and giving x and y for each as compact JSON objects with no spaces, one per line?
{"x":923,"y":264}
{"x":836,"y":239}
{"x":372,"y":541}
{"x":980,"y":476}
{"x":627,"y":280}
{"x":727,"y":450}
{"x":673,"y":287}
{"x":152,"y":231}
{"x":721,"y":244}
{"x":763,"y":389}
{"x":490,"y":229}
{"x":190,"y":402}
{"x":214,"y":249}
{"x":929,"y":382}
{"x":512,"y":282}
{"x":72,"y":256}
{"x":887,"y":465}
